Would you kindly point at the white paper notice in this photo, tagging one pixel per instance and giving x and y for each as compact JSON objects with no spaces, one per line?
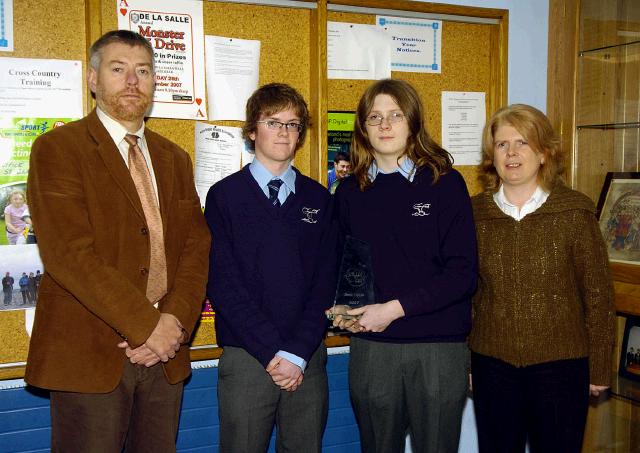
{"x":463,"y":118}
{"x":6,"y":25}
{"x":415,"y":43}
{"x":232,"y":75}
{"x":29,"y":317}
{"x":175,"y":32}
{"x":218,"y":151}
{"x":248,"y":156}
{"x":40,"y":88}
{"x":356,"y":51}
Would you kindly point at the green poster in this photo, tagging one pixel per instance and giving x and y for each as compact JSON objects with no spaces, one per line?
{"x":16,"y":137}
{"x":340,"y":129}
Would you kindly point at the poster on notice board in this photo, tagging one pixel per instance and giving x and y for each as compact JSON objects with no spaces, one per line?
{"x":175,"y":32}
{"x":36,"y":96}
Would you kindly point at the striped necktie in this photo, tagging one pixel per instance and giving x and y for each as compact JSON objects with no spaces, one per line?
{"x":274,"y":188}
{"x":157,"y":281}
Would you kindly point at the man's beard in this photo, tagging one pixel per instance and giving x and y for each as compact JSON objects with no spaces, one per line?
{"x":128,"y":110}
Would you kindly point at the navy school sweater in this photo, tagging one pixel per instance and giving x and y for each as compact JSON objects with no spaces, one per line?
{"x":424,"y":251}
{"x":272,"y":269}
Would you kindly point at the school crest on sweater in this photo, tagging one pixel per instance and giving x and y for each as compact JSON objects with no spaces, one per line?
{"x":421,"y":209}
{"x":309,"y":215}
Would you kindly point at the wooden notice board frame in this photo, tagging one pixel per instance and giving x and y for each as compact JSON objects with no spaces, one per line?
{"x":279,"y":23}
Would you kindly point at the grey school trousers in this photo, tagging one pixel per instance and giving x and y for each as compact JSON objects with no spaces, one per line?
{"x":250,"y":404}
{"x":418,"y":388}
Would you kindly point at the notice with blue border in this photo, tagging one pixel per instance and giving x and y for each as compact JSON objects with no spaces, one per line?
{"x":415,"y":43}
{"x":6,"y":25}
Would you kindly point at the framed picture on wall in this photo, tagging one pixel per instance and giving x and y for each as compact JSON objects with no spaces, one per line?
{"x":630,"y":351}
{"x":619,"y":216}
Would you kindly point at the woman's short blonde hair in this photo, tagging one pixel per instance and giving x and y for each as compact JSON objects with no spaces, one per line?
{"x":536,"y":130}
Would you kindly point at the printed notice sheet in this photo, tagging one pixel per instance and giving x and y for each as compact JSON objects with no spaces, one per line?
{"x":6,"y":25}
{"x":175,"y":32}
{"x":232,"y":75}
{"x":218,"y":151}
{"x":463,"y":118}
{"x":415,"y":43}
{"x":40,"y":88}
{"x":249,"y":155}
{"x":356,"y":51}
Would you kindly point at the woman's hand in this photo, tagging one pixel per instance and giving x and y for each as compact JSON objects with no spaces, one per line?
{"x":377,"y":317}
{"x":596,"y":390}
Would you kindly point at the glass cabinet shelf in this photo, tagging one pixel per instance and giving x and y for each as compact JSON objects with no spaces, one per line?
{"x":604,"y":49}
{"x":602,"y":150}
{"x":633,"y":125}
{"x":608,"y":92}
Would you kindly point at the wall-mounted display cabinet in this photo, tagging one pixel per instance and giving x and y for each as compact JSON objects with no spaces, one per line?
{"x":593,"y":102}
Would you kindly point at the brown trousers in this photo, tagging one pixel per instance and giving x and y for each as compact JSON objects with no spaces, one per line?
{"x":140,"y":415}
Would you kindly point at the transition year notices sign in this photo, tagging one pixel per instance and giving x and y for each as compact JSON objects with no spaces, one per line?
{"x":175,"y":32}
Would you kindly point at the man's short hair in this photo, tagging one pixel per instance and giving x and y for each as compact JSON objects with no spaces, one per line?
{"x":340,"y":156}
{"x":127,"y":37}
{"x":271,"y":99}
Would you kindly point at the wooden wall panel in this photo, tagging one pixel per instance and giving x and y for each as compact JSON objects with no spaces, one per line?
{"x":561,"y":75}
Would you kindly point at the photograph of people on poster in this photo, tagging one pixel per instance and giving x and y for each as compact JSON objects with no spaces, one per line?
{"x":21,"y":270}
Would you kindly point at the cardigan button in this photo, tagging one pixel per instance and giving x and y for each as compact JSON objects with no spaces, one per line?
{"x":144,"y":270}
{"x":144,"y":231}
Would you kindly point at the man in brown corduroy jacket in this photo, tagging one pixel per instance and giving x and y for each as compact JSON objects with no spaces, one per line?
{"x":125,"y":248}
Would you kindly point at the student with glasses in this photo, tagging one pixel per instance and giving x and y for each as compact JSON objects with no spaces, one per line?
{"x":409,"y":359}
{"x":271,"y":278}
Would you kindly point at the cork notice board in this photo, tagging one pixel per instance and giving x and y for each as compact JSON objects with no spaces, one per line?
{"x":293,"y":51}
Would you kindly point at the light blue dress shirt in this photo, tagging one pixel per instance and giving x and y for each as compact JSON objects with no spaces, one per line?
{"x":262,"y":177}
{"x":406,"y":168}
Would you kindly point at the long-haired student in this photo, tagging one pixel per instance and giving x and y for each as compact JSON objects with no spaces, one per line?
{"x":409,"y":358}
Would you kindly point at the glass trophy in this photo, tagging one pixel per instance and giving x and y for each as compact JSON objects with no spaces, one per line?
{"x":355,"y":283}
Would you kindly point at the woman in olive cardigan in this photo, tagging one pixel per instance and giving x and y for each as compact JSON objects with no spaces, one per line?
{"x":542,"y":334}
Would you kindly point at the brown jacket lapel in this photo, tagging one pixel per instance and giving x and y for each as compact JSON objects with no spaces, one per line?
{"x":113,"y":161}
